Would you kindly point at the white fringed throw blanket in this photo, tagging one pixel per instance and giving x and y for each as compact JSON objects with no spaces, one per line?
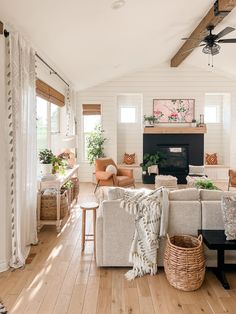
{"x":151,"y":221}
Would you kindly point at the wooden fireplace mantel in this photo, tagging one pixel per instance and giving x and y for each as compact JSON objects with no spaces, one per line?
{"x":175,"y":130}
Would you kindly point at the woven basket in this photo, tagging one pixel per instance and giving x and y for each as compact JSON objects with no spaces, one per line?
{"x":75,"y":181}
{"x":184,"y":262}
{"x":49,"y":206}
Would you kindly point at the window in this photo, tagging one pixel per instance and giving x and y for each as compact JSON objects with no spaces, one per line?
{"x":128,"y":108}
{"x":48,"y":123}
{"x":213,"y":108}
{"x":212,"y":114}
{"x":91,"y":118}
{"x":49,"y":102}
{"x":127,"y":114}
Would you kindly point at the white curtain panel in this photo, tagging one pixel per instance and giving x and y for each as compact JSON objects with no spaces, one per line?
{"x":21,"y":119}
{"x":70,"y":111}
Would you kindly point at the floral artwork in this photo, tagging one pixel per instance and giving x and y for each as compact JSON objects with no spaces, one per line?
{"x":174,"y":110}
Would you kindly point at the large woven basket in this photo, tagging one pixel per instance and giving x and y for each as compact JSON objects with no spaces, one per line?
{"x":49,"y":206}
{"x":184,"y":262}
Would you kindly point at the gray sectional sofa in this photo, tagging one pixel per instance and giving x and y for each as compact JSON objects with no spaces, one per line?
{"x":189,"y":210}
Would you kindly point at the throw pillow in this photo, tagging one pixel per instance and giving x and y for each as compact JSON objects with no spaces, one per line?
{"x":129,"y":159}
{"x":196,"y":170}
{"x":211,"y":159}
{"x":228,"y":206}
{"x":112,"y":169}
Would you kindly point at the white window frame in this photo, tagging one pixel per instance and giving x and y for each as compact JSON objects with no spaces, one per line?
{"x":49,"y":132}
{"x":121,"y":106}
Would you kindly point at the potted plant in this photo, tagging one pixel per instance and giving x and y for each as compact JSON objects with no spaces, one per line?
{"x":95,"y":142}
{"x":150,"y":160}
{"x":149,"y":121}
{"x":194,"y":123}
{"x":205,"y":184}
{"x":46,"y":158}
{"x":58,"y":165}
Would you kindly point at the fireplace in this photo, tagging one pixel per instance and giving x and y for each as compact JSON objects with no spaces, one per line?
{"x":178,"y":150}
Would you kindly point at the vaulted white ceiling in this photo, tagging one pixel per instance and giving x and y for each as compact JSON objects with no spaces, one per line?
{"x":89,"y":42}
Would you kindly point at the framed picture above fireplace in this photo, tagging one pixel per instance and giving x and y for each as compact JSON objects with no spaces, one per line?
{"x":174,"y":110}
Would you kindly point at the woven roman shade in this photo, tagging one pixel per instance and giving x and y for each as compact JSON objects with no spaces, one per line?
{"x":48,"y":93}
{"x":91,"y":110}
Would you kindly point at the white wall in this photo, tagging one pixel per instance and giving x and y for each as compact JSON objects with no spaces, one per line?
{"x":4,"y":210}
{"x":162,"y":82}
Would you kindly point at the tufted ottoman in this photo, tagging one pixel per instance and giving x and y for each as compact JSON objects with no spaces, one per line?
{"x":168,"y":182}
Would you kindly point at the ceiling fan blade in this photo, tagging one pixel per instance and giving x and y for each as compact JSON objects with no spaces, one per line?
{"x":230,"y":40}
{"x":192,"y":48}
{"x":195,"y":39}
{"x":225,"y":31}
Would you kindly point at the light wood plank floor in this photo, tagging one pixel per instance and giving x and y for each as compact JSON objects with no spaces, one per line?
{"x":62,"y":280}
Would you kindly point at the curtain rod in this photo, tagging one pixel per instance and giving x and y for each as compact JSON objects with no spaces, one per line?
{"x":6,"y":34}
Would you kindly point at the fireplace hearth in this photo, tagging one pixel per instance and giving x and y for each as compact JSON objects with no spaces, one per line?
{"x":179,"y":151}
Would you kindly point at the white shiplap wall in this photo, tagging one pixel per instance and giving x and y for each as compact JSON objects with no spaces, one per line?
{"x":160,"y":82}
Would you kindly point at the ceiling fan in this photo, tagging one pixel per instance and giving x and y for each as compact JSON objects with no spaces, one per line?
{"x":210,"y":43}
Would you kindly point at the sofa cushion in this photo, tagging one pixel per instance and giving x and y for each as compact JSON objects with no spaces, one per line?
{"x":214,"y":195}
{"x":184,"y":217}
{"x":211,"y":215}
{"x":228,"y":206}
{"x":191,"y":194}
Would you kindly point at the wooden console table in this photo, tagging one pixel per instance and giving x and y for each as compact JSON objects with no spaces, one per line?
{"x":54,"y":184}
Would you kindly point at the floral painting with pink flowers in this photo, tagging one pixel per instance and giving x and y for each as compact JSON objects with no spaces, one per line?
{"x":174,"y":110}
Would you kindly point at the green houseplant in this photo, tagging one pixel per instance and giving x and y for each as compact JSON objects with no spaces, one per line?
{"x":150,"y":160}
{"x":150,"y":120}
{"x":194,"y":123}
{"x":95,"y":142}
{"x":205,"y":184}
{"x":46,"y":158}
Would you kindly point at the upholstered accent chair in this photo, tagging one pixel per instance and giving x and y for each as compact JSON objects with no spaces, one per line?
{"x":122,"y":177}
{"x":232,"y":179}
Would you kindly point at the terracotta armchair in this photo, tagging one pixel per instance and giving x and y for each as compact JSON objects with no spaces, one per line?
{"x":123,"y":178}
{"x":232,"y":179}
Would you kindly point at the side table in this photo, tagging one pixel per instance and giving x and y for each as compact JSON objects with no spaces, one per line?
{"x":216,"y":240}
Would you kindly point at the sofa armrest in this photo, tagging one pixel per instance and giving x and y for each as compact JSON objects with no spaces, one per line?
{"x":114,"y":235}
{"x":125,"y":172}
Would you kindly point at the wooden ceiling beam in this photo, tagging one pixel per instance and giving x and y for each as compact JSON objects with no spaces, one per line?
{"x":1,"y":28}
{"x":226,"y":5}
{"x":201,"y":31}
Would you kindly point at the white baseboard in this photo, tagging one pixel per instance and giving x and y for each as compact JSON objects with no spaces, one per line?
{"x":4,"y":266}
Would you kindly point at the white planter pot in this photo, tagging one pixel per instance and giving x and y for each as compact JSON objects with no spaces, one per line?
{"x":194,"y":124}
{"x":46,"y":169}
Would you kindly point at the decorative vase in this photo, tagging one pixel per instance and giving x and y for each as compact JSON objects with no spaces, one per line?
{"x":46,"y":169}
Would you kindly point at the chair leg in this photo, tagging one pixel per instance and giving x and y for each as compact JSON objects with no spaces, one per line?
{"x":228,"y":185}
{"x":97,"y":185}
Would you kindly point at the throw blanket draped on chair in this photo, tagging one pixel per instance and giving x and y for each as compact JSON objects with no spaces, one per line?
{"x":151,"y":221}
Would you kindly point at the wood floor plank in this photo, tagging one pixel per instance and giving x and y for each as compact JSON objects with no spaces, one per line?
{"x":61,"y":279}
{"x":118,"y":302}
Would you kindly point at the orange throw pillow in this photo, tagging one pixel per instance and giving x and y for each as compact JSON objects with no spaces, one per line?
{"x":211,"y":159}
{"x":129,"y":159}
